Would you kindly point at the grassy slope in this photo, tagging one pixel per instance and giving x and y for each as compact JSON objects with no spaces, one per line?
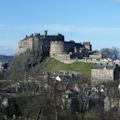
{"x":53,"y":65}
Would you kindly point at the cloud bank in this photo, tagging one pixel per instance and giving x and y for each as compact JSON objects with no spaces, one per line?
{"x":61,"y":28}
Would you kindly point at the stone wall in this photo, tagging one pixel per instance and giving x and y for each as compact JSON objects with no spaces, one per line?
{"x":87,"y":45}
{"x":102,"y":74}
{"x":65,"y":58}
{"x":42,"y":43}
{"x":56,"y":48}
{"x":97,"y":56}
{"x":25,"y":44}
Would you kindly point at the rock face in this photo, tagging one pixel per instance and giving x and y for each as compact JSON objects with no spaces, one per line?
{"x":23,"y":63}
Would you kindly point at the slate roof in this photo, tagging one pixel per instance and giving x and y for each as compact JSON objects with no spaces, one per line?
{"x":102,"y":66}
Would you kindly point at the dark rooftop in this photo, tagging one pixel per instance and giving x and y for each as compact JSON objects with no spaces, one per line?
{"x":102,"y":66}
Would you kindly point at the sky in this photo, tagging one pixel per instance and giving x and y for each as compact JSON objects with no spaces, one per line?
{"x":97,"y":21}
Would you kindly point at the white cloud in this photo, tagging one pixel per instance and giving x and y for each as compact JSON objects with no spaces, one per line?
{"x":61,"y":28}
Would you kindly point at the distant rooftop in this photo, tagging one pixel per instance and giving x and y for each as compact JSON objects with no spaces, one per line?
{"x":102,"y":66}
{"x":86,"y":43}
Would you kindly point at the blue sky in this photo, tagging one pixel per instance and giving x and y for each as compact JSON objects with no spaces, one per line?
{"x":97,"y":21}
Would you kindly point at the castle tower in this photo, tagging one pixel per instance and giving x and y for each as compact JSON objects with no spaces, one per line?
{"x":87,"y":45}
{"x":56,"y":48}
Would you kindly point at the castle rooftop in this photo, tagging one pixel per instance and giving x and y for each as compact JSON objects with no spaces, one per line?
{"x":45,"y":36}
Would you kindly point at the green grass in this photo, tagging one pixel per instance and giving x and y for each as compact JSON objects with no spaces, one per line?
{"x":52,"y":65}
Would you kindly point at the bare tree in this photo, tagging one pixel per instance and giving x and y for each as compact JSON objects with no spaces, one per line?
{"x":112,"y":53}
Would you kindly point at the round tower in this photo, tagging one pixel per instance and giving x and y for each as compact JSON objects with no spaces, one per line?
{"x":56,"y":48}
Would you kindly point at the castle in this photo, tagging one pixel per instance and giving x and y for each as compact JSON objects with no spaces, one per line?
{"x":55,"y":46}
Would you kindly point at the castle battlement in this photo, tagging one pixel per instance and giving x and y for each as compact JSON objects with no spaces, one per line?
{"x":55,"y":45}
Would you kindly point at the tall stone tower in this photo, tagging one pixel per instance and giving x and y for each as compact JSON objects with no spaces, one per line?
{"x":87,"y":45}
{"x":56,"y":48}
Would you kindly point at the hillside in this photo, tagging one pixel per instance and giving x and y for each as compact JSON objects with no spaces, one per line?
{"x":52,"y":65}
{"x":33,"y":64}
{"x":22,"y":64}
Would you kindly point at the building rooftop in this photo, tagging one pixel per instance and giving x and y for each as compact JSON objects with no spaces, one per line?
{"x":43,"y":36}
{"x":102,"y":66}
{"x":86,"y":43}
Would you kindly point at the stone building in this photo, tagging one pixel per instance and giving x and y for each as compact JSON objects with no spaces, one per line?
{"x":105,"y":72}
{"x":38,"y":42}
{"x":55,"y":46}
{"x":78,"y":50}
{"x":25,"y":44}
{"x":96,"y":56}
{"x":87,"y":46}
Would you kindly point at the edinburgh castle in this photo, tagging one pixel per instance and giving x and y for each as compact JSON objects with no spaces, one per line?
{"x":55,"y":46}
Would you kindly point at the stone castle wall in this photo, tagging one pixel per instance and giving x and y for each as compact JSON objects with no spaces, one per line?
{"x":53,"y":45}
{"x":25,"y":44}
{"x":56,"y":48}
{"x":42,"y":42}
{"x":102,"y":74}
{"x":87,"y":46}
